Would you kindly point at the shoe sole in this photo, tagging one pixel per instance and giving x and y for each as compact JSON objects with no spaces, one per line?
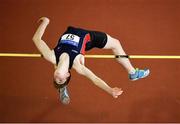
{"x":64,"y":97}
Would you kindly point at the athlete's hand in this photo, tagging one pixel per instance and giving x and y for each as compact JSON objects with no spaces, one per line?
{"x":44,"y":19}
{"x":116,"y":92}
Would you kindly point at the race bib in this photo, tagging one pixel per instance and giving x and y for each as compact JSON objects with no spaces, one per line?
{"x":70,"y":39}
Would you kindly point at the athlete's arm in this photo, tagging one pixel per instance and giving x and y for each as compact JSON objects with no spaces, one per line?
{"x":81,"y":69}
{"x":47,"y":53}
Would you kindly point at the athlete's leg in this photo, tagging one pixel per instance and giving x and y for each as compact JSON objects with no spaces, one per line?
{"x":117,"y":49}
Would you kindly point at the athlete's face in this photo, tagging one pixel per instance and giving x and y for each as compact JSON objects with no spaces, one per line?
{"x":60,"y":81}
{"x":61,"y":78}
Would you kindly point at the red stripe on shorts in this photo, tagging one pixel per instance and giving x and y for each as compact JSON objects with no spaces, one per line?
{"x":85,"y":40}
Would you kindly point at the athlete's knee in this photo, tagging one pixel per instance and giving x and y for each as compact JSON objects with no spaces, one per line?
{"x":116,"y":43}
{"x":112,"y":43}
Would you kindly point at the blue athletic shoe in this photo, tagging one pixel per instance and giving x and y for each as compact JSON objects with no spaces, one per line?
{"x":139,"y":74}
{"x":64,"y":95}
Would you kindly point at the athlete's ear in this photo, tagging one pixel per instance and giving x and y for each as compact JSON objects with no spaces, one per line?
{"x":68,"y":74}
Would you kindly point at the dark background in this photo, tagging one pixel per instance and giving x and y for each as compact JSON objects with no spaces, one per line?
{"x":143,"y":27}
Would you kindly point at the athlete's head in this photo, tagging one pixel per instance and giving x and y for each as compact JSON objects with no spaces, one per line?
{"x":61,"y":77}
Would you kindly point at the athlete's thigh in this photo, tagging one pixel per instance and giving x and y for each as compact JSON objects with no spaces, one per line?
{"x":111,"y":42}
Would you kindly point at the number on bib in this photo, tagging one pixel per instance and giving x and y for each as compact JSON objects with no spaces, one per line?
{"x":70,"y":39}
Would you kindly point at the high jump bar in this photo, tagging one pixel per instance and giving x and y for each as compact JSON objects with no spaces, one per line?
{"x":32,"y":55}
